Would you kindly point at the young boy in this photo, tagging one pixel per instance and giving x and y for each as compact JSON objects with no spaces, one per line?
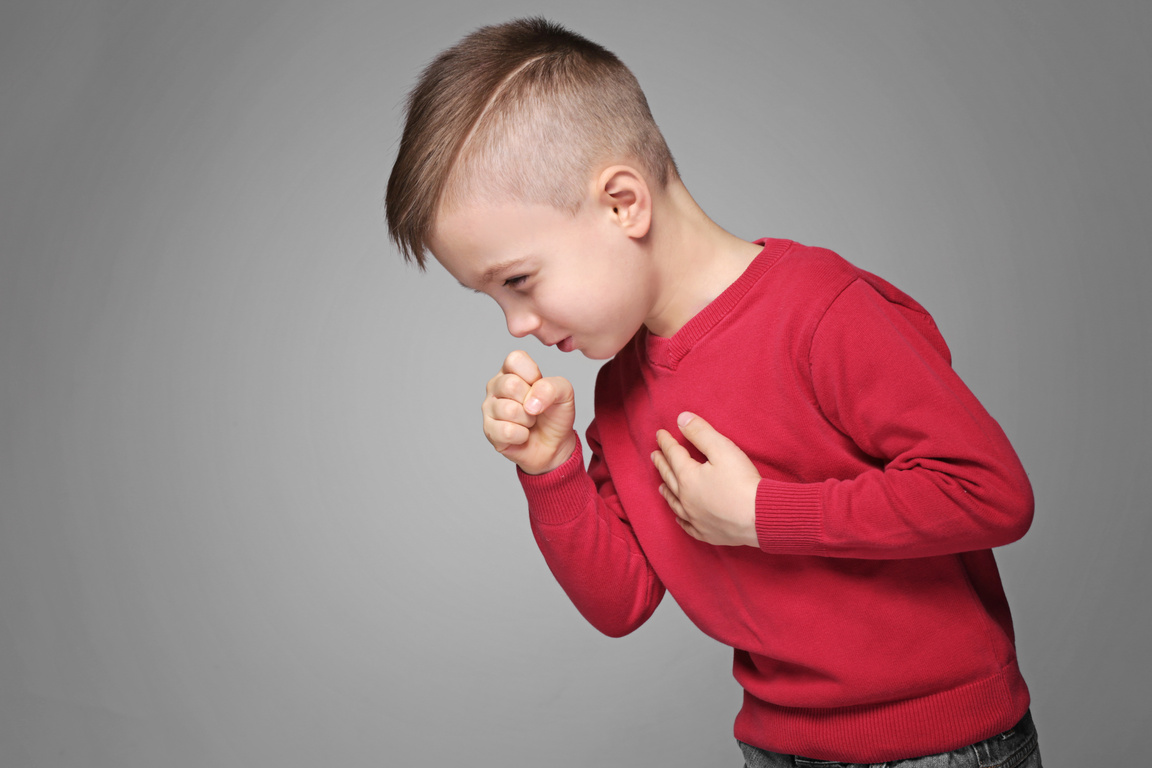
{"x":830,"y":510}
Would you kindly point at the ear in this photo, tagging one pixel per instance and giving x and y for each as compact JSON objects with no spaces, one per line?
{"x":623,"y":195}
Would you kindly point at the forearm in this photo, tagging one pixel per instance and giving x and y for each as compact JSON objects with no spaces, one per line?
{"x":944,"y":478}
{"x":590,"y":548}
{"x":897,"y":513}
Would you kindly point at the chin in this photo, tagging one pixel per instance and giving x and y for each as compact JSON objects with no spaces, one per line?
{"x":602,"y":348}
{"x":600,"y":354}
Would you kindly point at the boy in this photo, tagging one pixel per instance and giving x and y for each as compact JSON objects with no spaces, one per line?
{"x":831,"y":509}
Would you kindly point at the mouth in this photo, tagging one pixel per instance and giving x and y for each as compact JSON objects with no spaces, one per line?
{"x":566,"y":344}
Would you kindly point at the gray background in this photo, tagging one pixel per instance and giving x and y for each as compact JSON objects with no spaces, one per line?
{"x":247,"y":515}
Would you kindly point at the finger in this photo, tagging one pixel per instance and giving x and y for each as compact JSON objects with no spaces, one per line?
{"x":666,"y":473}
{"x":703,"y":435}
{"x":674,"y":503}
{"x":691,"y":530}
{"x":683,"y":521}
{"x":509,"y":385}
{"x":505,"y":435}
{"x":505,"y":409}
{"x":547,"y":392}
{"x":677,"y":456}
{"x":521,"y":364}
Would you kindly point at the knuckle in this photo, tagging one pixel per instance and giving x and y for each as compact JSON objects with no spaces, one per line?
{"x":501,"y":410}
{"x":519,"y":360}
{"x":509,"y":410}
{"x":501,"y":386}
{"x":513,"y":386}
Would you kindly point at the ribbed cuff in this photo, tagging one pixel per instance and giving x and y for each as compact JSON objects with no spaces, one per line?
{"x":788,"y":517}
{"x":559,"y":495}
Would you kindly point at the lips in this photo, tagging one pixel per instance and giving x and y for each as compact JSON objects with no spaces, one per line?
{"x":566,"y":345}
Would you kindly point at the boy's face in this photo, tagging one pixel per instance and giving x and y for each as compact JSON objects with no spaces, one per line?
{"x":577,"y":282}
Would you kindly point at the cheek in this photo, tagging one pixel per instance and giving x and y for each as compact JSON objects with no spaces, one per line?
{"x":626,"y":296}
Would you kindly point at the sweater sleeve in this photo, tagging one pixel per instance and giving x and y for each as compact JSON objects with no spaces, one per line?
{"x":589,"y":545}
{"x":946,"y":479}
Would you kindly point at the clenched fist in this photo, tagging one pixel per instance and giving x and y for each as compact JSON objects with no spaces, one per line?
{"x":529,"y":418}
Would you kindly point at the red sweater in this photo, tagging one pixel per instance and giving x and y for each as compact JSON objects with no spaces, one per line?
{"x":871,"y":624}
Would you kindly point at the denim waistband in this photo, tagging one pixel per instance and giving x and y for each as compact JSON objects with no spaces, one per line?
{"x":1014,"y":748}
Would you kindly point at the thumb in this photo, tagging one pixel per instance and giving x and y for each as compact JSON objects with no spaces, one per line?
{"x":703,"y":435}
{"x":547,"y":392}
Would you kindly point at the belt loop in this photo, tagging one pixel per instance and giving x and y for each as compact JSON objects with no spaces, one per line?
{"x":983,"y":756}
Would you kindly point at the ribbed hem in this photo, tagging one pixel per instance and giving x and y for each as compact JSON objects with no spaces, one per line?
{"x":788,"y":517}
{"x":559,"y":496}
{"x":876,"y":733}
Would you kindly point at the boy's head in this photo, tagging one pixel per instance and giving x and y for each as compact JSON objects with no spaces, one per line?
{"x":522,"y":112}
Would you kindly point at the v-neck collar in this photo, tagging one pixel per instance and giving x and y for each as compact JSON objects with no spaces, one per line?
{"x":667,"y":352}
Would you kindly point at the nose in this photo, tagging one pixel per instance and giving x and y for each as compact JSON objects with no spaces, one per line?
{"x":521,"y":322}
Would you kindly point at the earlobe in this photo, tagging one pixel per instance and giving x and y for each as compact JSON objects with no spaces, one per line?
{"x":623,"y":190}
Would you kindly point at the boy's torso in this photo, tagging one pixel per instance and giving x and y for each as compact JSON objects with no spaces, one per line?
{"x":810,"y":632}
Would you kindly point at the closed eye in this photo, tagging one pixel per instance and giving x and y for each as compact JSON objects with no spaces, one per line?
{"x":512,"y":282}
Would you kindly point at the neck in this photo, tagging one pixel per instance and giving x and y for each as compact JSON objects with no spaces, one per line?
{"x":694,"y":258}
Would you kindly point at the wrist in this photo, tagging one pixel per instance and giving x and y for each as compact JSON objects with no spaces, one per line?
{"x":789,"y":517}
{"x":563,"y":452}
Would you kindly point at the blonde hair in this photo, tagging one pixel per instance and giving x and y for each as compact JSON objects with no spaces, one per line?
{"x":524,"y":110}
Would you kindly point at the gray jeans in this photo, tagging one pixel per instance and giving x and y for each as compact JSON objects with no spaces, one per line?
{"x":1015,"y":748}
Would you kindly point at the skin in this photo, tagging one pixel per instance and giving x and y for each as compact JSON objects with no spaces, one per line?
{"x":631,"y":255}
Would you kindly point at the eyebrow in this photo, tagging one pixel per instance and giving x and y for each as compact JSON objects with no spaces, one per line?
{"x":493,"y":271}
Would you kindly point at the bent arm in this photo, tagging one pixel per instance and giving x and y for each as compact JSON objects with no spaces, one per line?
{"x":589,"y":546}
{"x":947,"y":479}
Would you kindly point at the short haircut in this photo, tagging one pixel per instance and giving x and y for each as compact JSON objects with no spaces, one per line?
{"x":526,"y":111}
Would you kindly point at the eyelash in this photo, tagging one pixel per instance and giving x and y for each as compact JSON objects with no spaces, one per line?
{"x":512,"y":282}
